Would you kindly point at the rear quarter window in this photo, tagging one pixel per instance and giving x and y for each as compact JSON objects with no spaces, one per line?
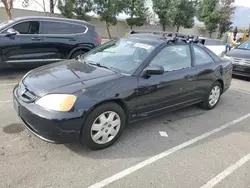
{"x":62,"y":28}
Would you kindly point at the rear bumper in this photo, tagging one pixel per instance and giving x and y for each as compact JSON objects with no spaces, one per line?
{"x":53,"y":127}
{"x":241,"y":70}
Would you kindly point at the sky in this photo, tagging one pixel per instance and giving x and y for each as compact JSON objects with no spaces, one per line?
{"x":245,"y":3}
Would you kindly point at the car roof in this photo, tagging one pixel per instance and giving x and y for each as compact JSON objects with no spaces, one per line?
{"x":158,"y":39}
{"x":148,"y":37}
{"x":52,"y":19}
{"x":154,"y":38}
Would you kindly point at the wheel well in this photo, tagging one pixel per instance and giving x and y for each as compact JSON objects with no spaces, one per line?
{"x":222,"y":84}
{"x":117,"y":101}
{"x":76,"y":50}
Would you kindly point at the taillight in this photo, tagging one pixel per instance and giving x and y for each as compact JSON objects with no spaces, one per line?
{"x":99,"y":40}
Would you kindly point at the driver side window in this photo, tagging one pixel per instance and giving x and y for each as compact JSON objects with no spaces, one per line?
{"x":173,"y":58}
{"x":31,"y":27}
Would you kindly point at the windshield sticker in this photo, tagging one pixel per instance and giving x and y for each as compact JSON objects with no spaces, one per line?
{"x":141,"y":45}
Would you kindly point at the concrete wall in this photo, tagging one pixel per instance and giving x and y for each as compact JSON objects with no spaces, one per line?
{"x":116,"y":31}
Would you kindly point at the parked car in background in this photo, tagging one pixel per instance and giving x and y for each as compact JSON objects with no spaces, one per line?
{"x":35,"y":41}
{"x":216,"y":46}
{"x":240,"y":56}
{"x":124,"y":80}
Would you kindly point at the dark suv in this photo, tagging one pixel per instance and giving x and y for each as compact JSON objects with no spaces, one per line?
{"x":35,"y":41}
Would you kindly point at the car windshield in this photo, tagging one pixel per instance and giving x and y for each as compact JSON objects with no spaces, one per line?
{"x":245,"y":45}
{"x":3,"y":24}
{"x":123,"y":55}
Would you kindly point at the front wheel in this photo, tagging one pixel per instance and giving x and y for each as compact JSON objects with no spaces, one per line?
{"x":213,"y":97}
{"x":77,"y":55}
{"x":103,"y":126}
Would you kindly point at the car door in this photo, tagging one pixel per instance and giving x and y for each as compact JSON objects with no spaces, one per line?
{"x":205,"y":65}
{"x":173,"y":89}
{"x":60,"y":38}
{"x":23,"y":48}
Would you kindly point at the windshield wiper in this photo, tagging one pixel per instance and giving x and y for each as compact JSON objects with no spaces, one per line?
{"x":103,"y":66}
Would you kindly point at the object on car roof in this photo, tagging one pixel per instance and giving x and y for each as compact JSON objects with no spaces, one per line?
{"x":216,"y":46}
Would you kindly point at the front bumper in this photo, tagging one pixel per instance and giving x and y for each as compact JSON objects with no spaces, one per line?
{"x":54,"y":127}
{"x":241,"y":70}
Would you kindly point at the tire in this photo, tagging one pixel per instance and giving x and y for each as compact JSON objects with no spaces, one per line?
{"x":207,"y":104}
{"x":77,"y":53}
{"x":88,"y":134}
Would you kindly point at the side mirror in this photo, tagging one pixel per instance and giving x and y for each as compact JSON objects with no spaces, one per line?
{"x":11,"y":32}
{"x":153,"y":70}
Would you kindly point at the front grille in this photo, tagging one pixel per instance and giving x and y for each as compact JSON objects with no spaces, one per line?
{"x":25,"y":94}
{"x":241,"y":61}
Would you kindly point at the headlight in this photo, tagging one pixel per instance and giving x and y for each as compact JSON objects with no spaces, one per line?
{"x":57,"y":102}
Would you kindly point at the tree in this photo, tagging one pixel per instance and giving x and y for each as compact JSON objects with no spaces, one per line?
{"x":66,"y":8}
{"x":184,"y":13}
{"x":108,"y":10}
{"x":227,"y":9}
{"x":163,"y":9}
{"x":75,"y":8}
{"x":208,"y":13}
{"x":27,"y":3}
{"x":137,"y":11}
{"x":8,"y":5}
{"x":52,"y":4}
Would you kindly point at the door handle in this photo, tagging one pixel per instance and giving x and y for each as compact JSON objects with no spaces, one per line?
{"x":36,"y":38}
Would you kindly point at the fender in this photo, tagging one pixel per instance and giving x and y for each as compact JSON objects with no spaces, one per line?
{"x":84,"y":47}
{"x":119,"y":101}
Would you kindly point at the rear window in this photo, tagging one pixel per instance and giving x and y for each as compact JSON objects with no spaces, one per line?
{"x":62,"y":28}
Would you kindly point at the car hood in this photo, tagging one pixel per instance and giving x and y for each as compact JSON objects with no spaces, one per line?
{"x":50,"y":77}
{"x":239,"y":53}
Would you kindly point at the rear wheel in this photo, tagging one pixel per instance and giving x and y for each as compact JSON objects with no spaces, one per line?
{"x":212,"y":97}
{"x":103,"y":126}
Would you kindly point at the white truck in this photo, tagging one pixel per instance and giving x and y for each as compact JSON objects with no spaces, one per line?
{"x":216,"y":46}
